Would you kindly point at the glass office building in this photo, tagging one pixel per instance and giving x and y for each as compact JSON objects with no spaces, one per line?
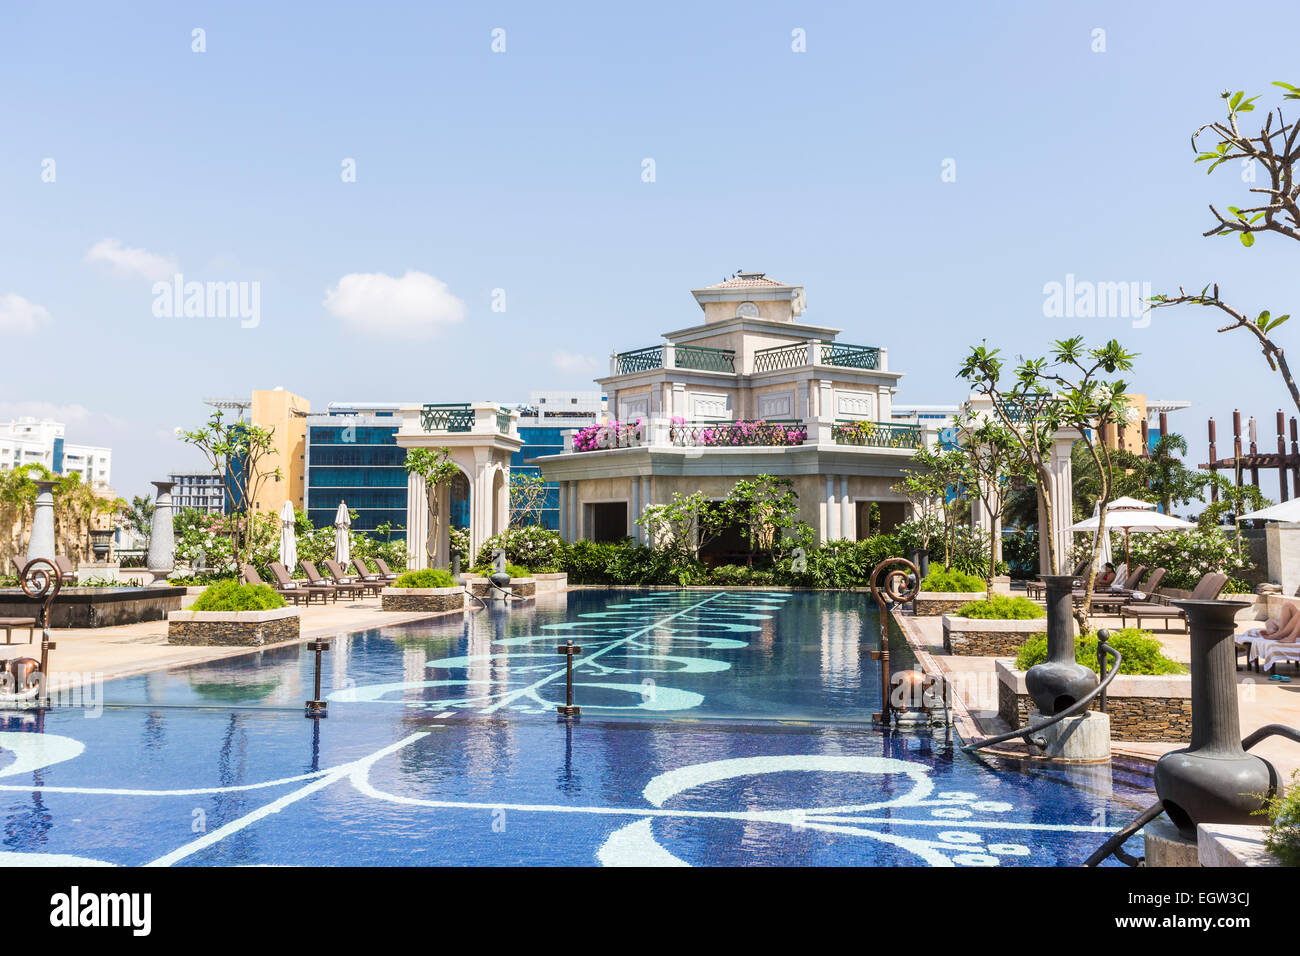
{"x":353,"y":456}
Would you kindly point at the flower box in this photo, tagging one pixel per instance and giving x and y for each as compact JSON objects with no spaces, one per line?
{"x":548,"y":583}
{"x":1141,"y":707}
{"x":234,"y":628}
{"x":988,"y":637}
{"x":422,"y":599}
{"x":934,"y":603}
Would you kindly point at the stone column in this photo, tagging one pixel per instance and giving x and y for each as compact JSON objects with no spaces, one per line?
{"x":634,"y":509}
{"x":831,"y":523}
{"x":846,"y":510}
{"x":417,"y":523}
{"x":443,"y":541}
{"x":562,"y":499}
{"x":575,"y":513}
{"x":162,"y":539}
{"x":41,"y":542}
{"x":1060,"y":484}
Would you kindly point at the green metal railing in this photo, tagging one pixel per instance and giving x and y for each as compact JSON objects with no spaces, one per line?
{"x":728,"y":434}
{"x":851,"y":356}
{"x":704,"y":359}
{"x":640,"y":360}
{"x":447,"y":418}
{"x":780,"y":357}
{"x":503,"y":422}
{"x":876,"y":434}
{"x":831,"y":353}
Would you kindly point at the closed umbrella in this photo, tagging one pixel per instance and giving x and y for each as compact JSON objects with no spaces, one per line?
{"x":288,"y":540}
{"x":342,"y":541}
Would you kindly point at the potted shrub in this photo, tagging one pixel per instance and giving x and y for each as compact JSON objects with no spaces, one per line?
{"x":1150,"y":699}
{"x":997,"y":626}
{"x":433,"y":589}
{"x":228,"y":613}
{"x":944,"y":590}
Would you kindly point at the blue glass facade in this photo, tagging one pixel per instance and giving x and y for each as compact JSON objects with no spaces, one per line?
{"x":362,"y":465}
{"x":542,"y":440}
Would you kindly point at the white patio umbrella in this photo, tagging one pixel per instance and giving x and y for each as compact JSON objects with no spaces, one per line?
{"x":1134,"y":519}
{"x":1286,"y":511}
{"x":342,"y":542}
{"x":1126,"y":503}
{"x":288,"y":540}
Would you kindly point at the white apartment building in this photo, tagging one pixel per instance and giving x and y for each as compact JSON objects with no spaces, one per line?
{"x":32,"y":441}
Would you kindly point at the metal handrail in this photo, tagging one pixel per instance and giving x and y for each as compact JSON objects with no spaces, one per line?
{"x":704,"y":359}
{"x":1115,"y":842}
{"x":639,"y":360}
{"x":1079,"y":705}
{"x":451,"y":417}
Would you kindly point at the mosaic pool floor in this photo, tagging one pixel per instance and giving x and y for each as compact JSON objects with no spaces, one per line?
{"x":717,"y":729}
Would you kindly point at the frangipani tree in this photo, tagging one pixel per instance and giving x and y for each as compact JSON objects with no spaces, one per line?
{"x":688,"y":522}
{"x":1063,"y":391}
{"x":437,"y":469}
{"x":238,"y":453}
{"x":994,"y":461}
{"x":1275,"y":150}
{"x":932,"y":482}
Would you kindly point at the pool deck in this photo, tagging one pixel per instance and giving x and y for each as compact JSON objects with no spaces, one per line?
{"x":1261,"y":701}
{"x":109,"y":652}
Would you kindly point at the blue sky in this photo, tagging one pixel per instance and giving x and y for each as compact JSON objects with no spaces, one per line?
{"x":522,"y":171}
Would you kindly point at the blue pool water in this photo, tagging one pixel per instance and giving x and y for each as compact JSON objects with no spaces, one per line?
{"x":717,"y":728}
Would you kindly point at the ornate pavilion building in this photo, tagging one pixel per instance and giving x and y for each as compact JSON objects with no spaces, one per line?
{"x":749,"y":390}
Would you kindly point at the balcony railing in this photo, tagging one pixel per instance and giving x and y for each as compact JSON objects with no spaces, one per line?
{"x":876,"y":434}
{"x":726,"y":434}
{"x":851,"y":356}
{"x":503,"y":421}
{"x":704,"y":359}
{"x":829,"y":353}
{"x":640,"y":360}
{"x":447,"y":418}
{"x":780,"y":357}
{"x":695,"y":357}
{"x":610,"y":435}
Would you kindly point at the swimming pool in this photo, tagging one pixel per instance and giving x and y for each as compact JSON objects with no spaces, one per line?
{"x":723,"y":728}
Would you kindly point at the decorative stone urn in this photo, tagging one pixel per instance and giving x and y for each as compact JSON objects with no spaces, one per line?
{"x":1213,"y":780}
{"x":162,"y":539}
{"x":1059,"y":681}
{"x":41,"y":542}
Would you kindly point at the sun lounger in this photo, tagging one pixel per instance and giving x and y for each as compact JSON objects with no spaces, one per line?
{"x":384,"y":570}
{"x":9,"y":623}
{"x":295,"y":590}
{"x":365,"y":574}
{"x":340,"y":576}
{"x":1207,"y":589}
{"x":342,"y":587}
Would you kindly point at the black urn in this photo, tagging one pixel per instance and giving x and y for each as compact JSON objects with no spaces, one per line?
{"x":1213,"y":780}
{"x":1059,"y":681}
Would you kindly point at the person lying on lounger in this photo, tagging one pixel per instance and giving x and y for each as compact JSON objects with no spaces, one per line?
{"x":1284,"y":630}
{"x":1107,"y":577}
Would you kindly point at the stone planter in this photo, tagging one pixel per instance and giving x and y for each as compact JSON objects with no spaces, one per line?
{"x":1141,"y":707}
{"x":234,"y":628}
{"x":978,"y":637}
{"x":422,"y":599}
{"x":521,"y":587}
{"x":548,"y":583}
{"x":934,"y":603}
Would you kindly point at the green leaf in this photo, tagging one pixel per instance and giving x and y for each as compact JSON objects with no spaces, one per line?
{"x":1247,"y":239}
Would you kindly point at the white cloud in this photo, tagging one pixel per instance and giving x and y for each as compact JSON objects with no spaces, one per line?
{"x":574,"y":362}
{"x":132,"y":263}
{"x":74,"y":415}
{"x":414,"y":306}
{"x":21,"y":316}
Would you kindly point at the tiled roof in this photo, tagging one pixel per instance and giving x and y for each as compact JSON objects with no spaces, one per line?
{"x":747,"y":280}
